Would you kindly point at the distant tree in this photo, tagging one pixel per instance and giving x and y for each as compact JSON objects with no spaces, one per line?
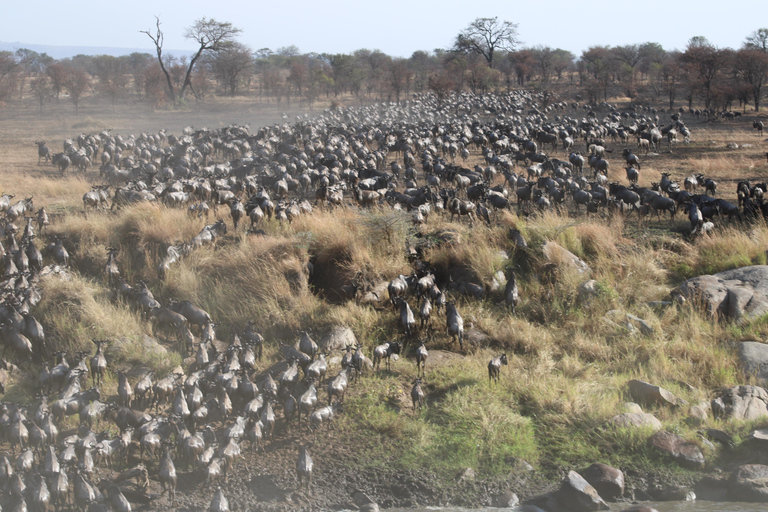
{"x":57,"y":72}
{"x":703,"y":64}
{"x":210,"y":35}
{"x":41,"y":88}
{"x":137,"y":64}
{"x":523,"y":62}
{"x":485,"y":36}
{"x":562,"y":61}
{"x":8,"y":68}
{"x":441,"y":84}
{"x":30,"y":63}
{"x":152,"y":79}
{"x":231,"y":64}
{"x":751,"y":65}
{"x":758,"y":40}
{"x":398,"y":77}
{"x":112,"y":73}
{"x":545,"y":61}
{"x":629,"y":56}
{"x":650,"y":54}
{"x":76,"y":83}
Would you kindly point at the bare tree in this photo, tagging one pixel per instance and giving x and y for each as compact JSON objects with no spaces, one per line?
{"x":211,"y":36}
{"x":486,"y":35}
{"x":758,"y":40}
{"x":399,"y":77}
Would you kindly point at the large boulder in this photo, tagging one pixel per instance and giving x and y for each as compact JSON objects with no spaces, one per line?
{"x":645,"y":393}
{"x":749,"y":483}
{"x":607,"y":480}
{"x":339,"y":338}
{"x":684,"y":452}
{"x":753,"y":357}
{"x":740,"y":293}
{"x":558,"y":254}
{"x":637,"y":419}
{"x":741,"y":403}
{"x":577,"y":495}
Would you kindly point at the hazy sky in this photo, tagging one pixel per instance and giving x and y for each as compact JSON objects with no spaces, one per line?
{"x":395,"y":27}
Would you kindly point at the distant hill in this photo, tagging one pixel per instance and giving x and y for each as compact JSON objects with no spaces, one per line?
{"x":62,"y":52}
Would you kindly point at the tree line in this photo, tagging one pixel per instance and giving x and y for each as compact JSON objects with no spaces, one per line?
{"x":485,"y":56}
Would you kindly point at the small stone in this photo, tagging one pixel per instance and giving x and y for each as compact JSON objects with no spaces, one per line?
{"x":632,"y":407}
{"x":645,"y":328}
{"x":643,"y":420}
{"x":505,"y":500}
{"x":673,"y":493}
{"x":588,"y":290}
{"x":467,"y":475}
{"x":732,"y":145}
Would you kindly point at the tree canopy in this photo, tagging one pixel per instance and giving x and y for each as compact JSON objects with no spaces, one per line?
{"x":485,"y":36}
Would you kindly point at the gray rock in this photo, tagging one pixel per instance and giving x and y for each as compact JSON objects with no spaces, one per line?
{"x":659,"y":304}
{"x":634,"y":419}
{"x":672,"y":493}
{"x":632,"y":407}
{"x":700,"y":412}
{"x":749,"y":483}
{"x":648,"y":394}
{"x":741,"y":403}
{"x":498,"y":281}
{"x":517,"y":238}
{"x":644,"y":326}
{"x":719,"y":436}
{"x":577,"y":495}
{"x":640,"y":508}
{"x":466,"y":475}
{"x":737,"y":294}
{"x":339,"y":337}
{"x":151,"y":346}
{"x":505,"y":500}
{"x":753,"y":357}
{"x":684,"y":452}
{"x":364,"y":502}
{"x":732,"y":145}
{"x":557,"y":254}
{"x":588,"y":290}
{"x":607,"y":481}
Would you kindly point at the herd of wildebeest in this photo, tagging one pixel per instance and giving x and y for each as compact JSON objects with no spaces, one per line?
{"x":410,"y":157}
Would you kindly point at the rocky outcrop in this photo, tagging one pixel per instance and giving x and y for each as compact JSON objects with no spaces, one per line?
{"x":749,"y":483}
{"x":607,"y":481}
{"x":505,"y":500}
{"x":577,"y":495}
{"x":741,"y":403}
{"x":736,"y":294}
{"x":684,"y":452}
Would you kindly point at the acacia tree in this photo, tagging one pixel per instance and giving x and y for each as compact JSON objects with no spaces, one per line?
{"x":212,"y":36}
{"x":112,"y":74}
{"x":703,"y":63}
{"x":231,"y":64}
{"x":41,"y":89}
{"x":752,"y":67}
{"x":76,"y":83}
{"x":485,"y":36}
{"x":57,"y":72}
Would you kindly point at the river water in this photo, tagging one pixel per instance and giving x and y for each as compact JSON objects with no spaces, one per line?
{"x":667,"y":506}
